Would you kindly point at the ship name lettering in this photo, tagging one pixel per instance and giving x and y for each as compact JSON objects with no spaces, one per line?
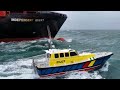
{"x":21,"y":20}
{"x":39,"y":20}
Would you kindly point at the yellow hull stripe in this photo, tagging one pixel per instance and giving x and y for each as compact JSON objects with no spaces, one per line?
{"x":91,"y":63}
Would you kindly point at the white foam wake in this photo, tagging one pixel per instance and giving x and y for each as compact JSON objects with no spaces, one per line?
{"x":21,"y":69}
{"x":105,"y":67}
{"x":84,"y":75}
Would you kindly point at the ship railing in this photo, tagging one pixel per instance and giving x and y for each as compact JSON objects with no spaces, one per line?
{"x":41,"y":64}
{"x":42,"y":12}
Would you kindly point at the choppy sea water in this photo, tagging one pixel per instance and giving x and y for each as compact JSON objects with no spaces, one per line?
{"x":16,"y":57}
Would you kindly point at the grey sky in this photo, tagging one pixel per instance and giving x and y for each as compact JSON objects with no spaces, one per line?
{"x":92,"y":20}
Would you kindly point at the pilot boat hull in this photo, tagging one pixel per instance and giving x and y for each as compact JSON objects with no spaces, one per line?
{"x":84,"y":66}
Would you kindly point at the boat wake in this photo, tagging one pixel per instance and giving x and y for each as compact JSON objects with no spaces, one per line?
{"x":20,"y":69}
{"x":84,"y":75}
{"x":105,"y":67}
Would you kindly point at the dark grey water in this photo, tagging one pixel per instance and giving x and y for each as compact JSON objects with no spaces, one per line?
{"x":16,"y":57}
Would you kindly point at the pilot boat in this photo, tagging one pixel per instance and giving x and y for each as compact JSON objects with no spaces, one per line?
{"x":61,"y":61}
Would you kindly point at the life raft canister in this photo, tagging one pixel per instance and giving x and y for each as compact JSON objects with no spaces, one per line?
{"x":2,"y":13}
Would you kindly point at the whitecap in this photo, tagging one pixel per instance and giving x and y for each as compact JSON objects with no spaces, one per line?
{"x":69,"y":40}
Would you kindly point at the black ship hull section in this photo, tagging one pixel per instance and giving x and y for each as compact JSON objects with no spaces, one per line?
{"x":19,"y":26}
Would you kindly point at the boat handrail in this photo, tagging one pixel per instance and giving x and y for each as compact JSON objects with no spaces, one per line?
{"x":41,"y":64}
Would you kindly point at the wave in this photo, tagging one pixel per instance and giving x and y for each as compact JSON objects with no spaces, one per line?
{"x":84,"y":75}
{"x":69,"y":40}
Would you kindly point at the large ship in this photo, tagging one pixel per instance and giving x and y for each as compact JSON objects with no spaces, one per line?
{"x":29,"y":25}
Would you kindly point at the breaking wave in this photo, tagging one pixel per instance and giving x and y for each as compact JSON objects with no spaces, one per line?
{"x":69,"y":40}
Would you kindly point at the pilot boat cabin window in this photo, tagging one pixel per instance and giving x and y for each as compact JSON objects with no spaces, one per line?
{"x":66,"y":54}
{"x":73,"y":53}
{"x":61,"y":54}
{"x":56,"y":56}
